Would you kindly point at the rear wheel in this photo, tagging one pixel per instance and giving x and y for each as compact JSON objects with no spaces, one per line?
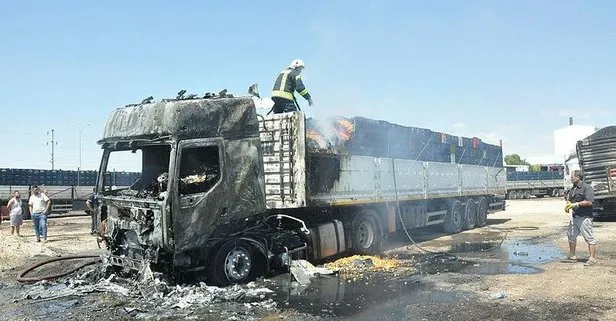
{"x":237,"y":261}
{"x":554,"y":192}
{"x":482,"y":212}
{"x":367,"y":234}
{"x":470,"y":215}
{"x":520,"y":194}
{"x":512,"y":195}
{"x":454,"y":218}
{"x":526,"y":194}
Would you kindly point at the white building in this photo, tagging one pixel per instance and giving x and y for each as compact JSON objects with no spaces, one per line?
{"x":566,"y":138}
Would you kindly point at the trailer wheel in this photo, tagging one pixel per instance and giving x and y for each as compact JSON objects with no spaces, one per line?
{"x":520,"y":194}
{"x":454,"y":218}
{"x":526,"y":194}
{"x":512,"y":195}
{"x":367,"y":234}
{"x":482,"y":212}
{"x":237,"y":261}
{"x":554,"y":192}
{"x":470,"y":215}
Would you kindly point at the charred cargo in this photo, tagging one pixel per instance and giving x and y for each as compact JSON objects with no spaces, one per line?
{"x":597,"y":160}
{"x":230,"y":195}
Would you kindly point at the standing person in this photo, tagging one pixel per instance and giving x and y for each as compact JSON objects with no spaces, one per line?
{"x":15,"y":213}
{"x":92,"y":206}
{"x":579,"y":200}
{"x":39,"y":205}
{"x":289,"y":81}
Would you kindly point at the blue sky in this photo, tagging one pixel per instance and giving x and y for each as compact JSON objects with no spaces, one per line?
{"x":511,"y":70}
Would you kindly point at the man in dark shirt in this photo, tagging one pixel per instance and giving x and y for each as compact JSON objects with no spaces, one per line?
{"x":579,"y":200}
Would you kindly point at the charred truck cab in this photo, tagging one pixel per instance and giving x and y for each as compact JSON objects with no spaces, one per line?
{"x":200,"y":201}
{"x":228,"y":194}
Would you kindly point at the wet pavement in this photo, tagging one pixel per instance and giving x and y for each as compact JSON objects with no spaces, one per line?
{"x":371,"y":296}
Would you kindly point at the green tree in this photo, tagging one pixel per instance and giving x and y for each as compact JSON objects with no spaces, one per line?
{"x":514,"y":159}
{"x":535,"y":168}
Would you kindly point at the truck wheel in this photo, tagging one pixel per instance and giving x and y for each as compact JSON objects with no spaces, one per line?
{"x":454,"y":218}
{"x":512,"y":195}
{"x":367,"y":234}
{"x":237,"y":261}
{"x":482,"y":212}
{"x":554,"y":192}
{"x":520,"y":194}
{"x":470,"y":215}
{"x":526,"y":194}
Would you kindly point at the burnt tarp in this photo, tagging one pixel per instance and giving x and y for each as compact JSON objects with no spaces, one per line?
{"x":194,"y":118}
{"x":377,"y":138}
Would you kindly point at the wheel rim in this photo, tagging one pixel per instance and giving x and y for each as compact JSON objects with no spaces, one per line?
{"x":457,"y":218}
{"x":237,"y":264}
{"x":365,"y":236}
{"x":471,"y":213}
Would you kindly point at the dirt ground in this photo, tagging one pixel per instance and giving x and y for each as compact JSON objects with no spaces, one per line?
{"x":509,"y":270}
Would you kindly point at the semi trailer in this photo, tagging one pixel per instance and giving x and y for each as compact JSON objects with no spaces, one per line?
{"x":539,"y":184}
{"x":229,"y":195}
{"x":597,"y":160}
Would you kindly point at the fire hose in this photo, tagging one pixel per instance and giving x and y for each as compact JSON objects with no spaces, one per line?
{"x":22,"y":278}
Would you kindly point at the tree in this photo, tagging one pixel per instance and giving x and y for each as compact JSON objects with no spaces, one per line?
{"x":514,"y":159}
{"x":535,"y":168}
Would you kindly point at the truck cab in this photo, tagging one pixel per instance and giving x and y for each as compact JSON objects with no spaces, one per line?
{"x":201,"y":183}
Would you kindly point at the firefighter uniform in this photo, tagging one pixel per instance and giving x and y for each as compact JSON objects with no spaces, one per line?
{"x":289,"y":81}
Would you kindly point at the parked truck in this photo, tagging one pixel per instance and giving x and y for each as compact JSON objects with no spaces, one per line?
{"x":597,"y":160}
{"x":524,"y":184}
{"x":229,"y":194}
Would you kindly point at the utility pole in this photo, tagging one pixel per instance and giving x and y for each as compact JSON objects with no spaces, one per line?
{"x":53,"y":143}
{"x":79,"y":168}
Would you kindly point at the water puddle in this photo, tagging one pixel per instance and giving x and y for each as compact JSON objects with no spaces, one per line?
{"x":511,"y":256}
{"x":334,"y":296}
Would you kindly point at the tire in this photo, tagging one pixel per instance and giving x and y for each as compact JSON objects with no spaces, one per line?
{"x":454,"y":218}
{"x":367,"y":233}
{"x":554,"y":192}
{"x":520,"y":194}
{"x":512,"y":195}
{"x":237,"y":261}
{"x":526,"y":194}
{"x":482,"y":212}
{"x":470,"y":215}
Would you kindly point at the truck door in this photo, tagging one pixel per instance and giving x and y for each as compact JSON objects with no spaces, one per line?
{"x":200,"y":184}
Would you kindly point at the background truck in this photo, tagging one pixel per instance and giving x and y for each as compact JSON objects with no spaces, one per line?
{"x":228,"y":194}
{"x":597,"y":160}
{"x":524,"y":184}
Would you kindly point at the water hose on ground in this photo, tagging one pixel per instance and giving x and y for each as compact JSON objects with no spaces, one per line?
{"x":22,"y":278}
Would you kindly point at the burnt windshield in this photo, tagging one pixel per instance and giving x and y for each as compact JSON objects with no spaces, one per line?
{"x":149,"y":168}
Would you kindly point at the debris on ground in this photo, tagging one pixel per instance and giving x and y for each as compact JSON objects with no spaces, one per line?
{"x":498,"y":295}
{"x":303,"y":270}
{"x":363,"y":263}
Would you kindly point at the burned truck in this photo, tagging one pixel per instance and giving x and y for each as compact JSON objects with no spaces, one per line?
{"x":229,"y":195}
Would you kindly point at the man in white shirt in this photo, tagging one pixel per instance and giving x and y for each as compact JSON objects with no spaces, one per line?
{"x":39,"y":206}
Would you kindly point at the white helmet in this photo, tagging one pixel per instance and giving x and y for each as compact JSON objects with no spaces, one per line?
{"x":296,"y":63}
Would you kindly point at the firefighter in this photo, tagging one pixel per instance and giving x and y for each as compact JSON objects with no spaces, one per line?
{"x":288,"y":81}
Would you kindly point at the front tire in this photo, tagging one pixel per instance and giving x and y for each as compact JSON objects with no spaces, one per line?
{"x":237,"y":261}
